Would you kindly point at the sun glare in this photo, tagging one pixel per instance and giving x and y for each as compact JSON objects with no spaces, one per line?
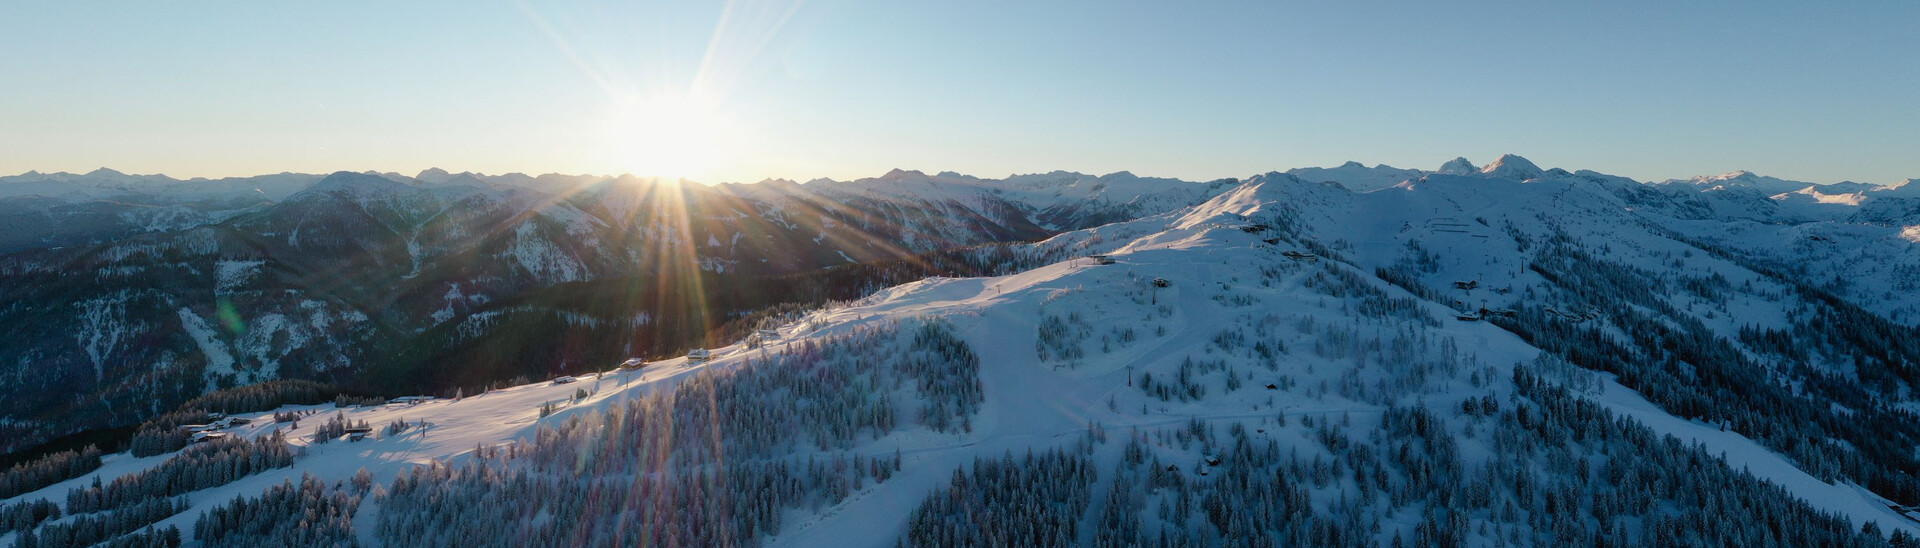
{"x":666,"y":135}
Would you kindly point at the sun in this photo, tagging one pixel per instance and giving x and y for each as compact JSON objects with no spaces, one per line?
{"x":666,"y":135}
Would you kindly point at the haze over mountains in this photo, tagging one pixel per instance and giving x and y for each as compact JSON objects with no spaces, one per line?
{"x":1330,"y":356}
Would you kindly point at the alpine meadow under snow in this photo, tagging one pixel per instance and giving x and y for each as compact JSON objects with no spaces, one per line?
{"x":1352,"y":356}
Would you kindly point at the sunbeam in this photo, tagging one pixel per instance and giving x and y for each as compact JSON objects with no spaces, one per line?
{"x":662,"y":124}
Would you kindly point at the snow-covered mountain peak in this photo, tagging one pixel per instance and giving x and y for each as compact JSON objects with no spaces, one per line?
{"x":912,"y":184}
{"x":1356,"y":176}
{"x":1459,"y":166}
{"x":106,"y":173}
{"x":765,"y":189}
{"x":434,"y":175}
{"x":1512,"y":166}
{"x":1813,"y":195}
{"x":1062,"y":179}
{"x":355,"y":184}
{"x":1769,"y":186}
{"x":1909,"y":188}
{"x":1056,"y":177}
{"x":897,"y":174}
{"x":1261,"y":194}
{"x":1849,"y":187}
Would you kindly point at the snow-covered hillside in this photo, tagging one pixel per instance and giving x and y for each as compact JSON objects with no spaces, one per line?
{"x":383,"y":280}
{"x":1288,"y":360}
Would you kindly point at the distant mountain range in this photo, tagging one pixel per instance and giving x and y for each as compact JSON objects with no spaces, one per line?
{"x":123,"y":294}
{"x":1352,"y":356}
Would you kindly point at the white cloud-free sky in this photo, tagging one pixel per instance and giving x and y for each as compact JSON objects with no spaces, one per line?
{"x":745,"y":90}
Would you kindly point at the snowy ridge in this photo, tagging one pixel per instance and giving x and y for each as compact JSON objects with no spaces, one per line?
{"x":1743,"y":179}
{"x":1458,"y":166}
{"x":1513,"y":167}
{"x":1255,"y":312}
{"x":107,"y":183}
{"x":1360,"y":178}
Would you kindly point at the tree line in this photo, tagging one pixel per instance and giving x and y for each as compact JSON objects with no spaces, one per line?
{"x":31,"y":476}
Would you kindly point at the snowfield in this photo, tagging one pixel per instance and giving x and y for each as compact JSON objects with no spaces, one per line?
{"x":1260,"y":311}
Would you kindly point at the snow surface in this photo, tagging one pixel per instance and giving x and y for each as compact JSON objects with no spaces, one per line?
{"x":1359,"y":178}
{"x":1212,"y":266}
{"x":1373,"y":216}
{"x":1742,"y":453}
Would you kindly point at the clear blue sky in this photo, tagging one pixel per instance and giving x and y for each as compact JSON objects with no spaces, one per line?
{"x":843,"y":89}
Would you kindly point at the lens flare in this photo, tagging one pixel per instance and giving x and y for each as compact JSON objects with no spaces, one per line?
{"x":666,"y":135}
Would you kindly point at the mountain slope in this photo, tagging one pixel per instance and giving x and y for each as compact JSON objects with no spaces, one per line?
{"x":1243,"y":370}
{"x":381,"y":282}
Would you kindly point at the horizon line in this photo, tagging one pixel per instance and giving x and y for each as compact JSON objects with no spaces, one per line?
{"x":416,"y":176}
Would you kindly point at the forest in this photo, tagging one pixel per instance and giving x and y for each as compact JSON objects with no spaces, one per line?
{"x":706,"y":464}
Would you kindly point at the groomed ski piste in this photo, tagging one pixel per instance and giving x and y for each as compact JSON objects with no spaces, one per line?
{"x":1178,"y":286}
